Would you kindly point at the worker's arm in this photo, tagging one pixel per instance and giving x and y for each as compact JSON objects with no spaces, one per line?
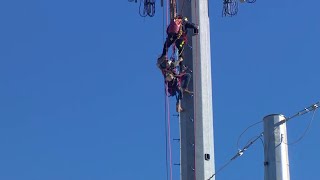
{"x":190,"y":25}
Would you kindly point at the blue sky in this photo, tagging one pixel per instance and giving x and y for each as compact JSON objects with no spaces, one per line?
{"x":82,"y":99}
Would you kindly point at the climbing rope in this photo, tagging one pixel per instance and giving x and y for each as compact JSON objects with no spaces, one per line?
{"x":168,"y":132}
{"x":167,"y":115}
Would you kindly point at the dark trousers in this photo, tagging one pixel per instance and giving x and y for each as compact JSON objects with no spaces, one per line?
{"x":185,"y":80}
{"x":172,"y":38}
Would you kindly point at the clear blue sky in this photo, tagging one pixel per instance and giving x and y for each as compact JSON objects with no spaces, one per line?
{"x":82,"y":99}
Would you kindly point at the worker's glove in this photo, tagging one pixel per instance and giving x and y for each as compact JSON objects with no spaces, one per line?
{"x":185,"y":19}
{"x":196,"y":31}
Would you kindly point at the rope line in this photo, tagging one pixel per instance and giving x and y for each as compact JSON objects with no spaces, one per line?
{"x":169,"y":133}
{"x":166,"y":130}
{"x":165,"y":109}
{"x":168,"y":110}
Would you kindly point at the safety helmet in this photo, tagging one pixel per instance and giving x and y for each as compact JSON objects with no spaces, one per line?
{"x":181,"y":17}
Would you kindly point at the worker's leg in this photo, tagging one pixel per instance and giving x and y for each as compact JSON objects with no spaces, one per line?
{"x":178,"y":104}
{"x":185,"y":82}
{"x":170,"y":39}
{"x":180,"y":45}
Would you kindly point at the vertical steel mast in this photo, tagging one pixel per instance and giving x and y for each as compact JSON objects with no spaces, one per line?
{"x":196,"y":121}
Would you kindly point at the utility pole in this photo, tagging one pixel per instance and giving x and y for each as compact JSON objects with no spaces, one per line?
{"x":276,"y":160}
{"x":196,"y":121}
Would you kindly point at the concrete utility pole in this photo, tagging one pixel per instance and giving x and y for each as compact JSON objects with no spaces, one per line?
{"x":276,"y":160}
{"x":196,"y":121}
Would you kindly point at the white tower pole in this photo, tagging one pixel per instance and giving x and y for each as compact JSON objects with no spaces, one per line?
{"x":196,"y":121}
{"x":276,"y":160}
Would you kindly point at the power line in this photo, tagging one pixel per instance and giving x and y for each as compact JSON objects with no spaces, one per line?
{"x":311,"y":108}
{"x":238,"y":154}
{"x":245,"y":131}
{"x":305,"y":131}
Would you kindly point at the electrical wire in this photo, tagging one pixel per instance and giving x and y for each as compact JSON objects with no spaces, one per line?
{"x":305,"y":110}
{"x":220,"y":169}
{"x":305,"y":131}
{"x":245,"y":131}
{"x":241,"y":151}
{"x":168,"y":132}
{"x":238,"y":154}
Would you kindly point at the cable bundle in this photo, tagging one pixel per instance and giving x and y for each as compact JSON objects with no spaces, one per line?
{"x":149,"y":8}
{"x":250,"y":1}
{"x":230,"y":7}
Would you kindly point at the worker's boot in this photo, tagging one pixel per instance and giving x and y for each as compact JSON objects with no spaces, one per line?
{"x":178,"y":107}
{"x":180,"y":59}
{"x":187,"y":91}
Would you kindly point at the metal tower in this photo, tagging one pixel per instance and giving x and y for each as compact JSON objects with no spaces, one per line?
{"x":196,"y":121}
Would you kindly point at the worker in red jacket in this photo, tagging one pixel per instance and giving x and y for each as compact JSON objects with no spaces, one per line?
{"x":177,"y":84}
{"x":177,"y":34}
